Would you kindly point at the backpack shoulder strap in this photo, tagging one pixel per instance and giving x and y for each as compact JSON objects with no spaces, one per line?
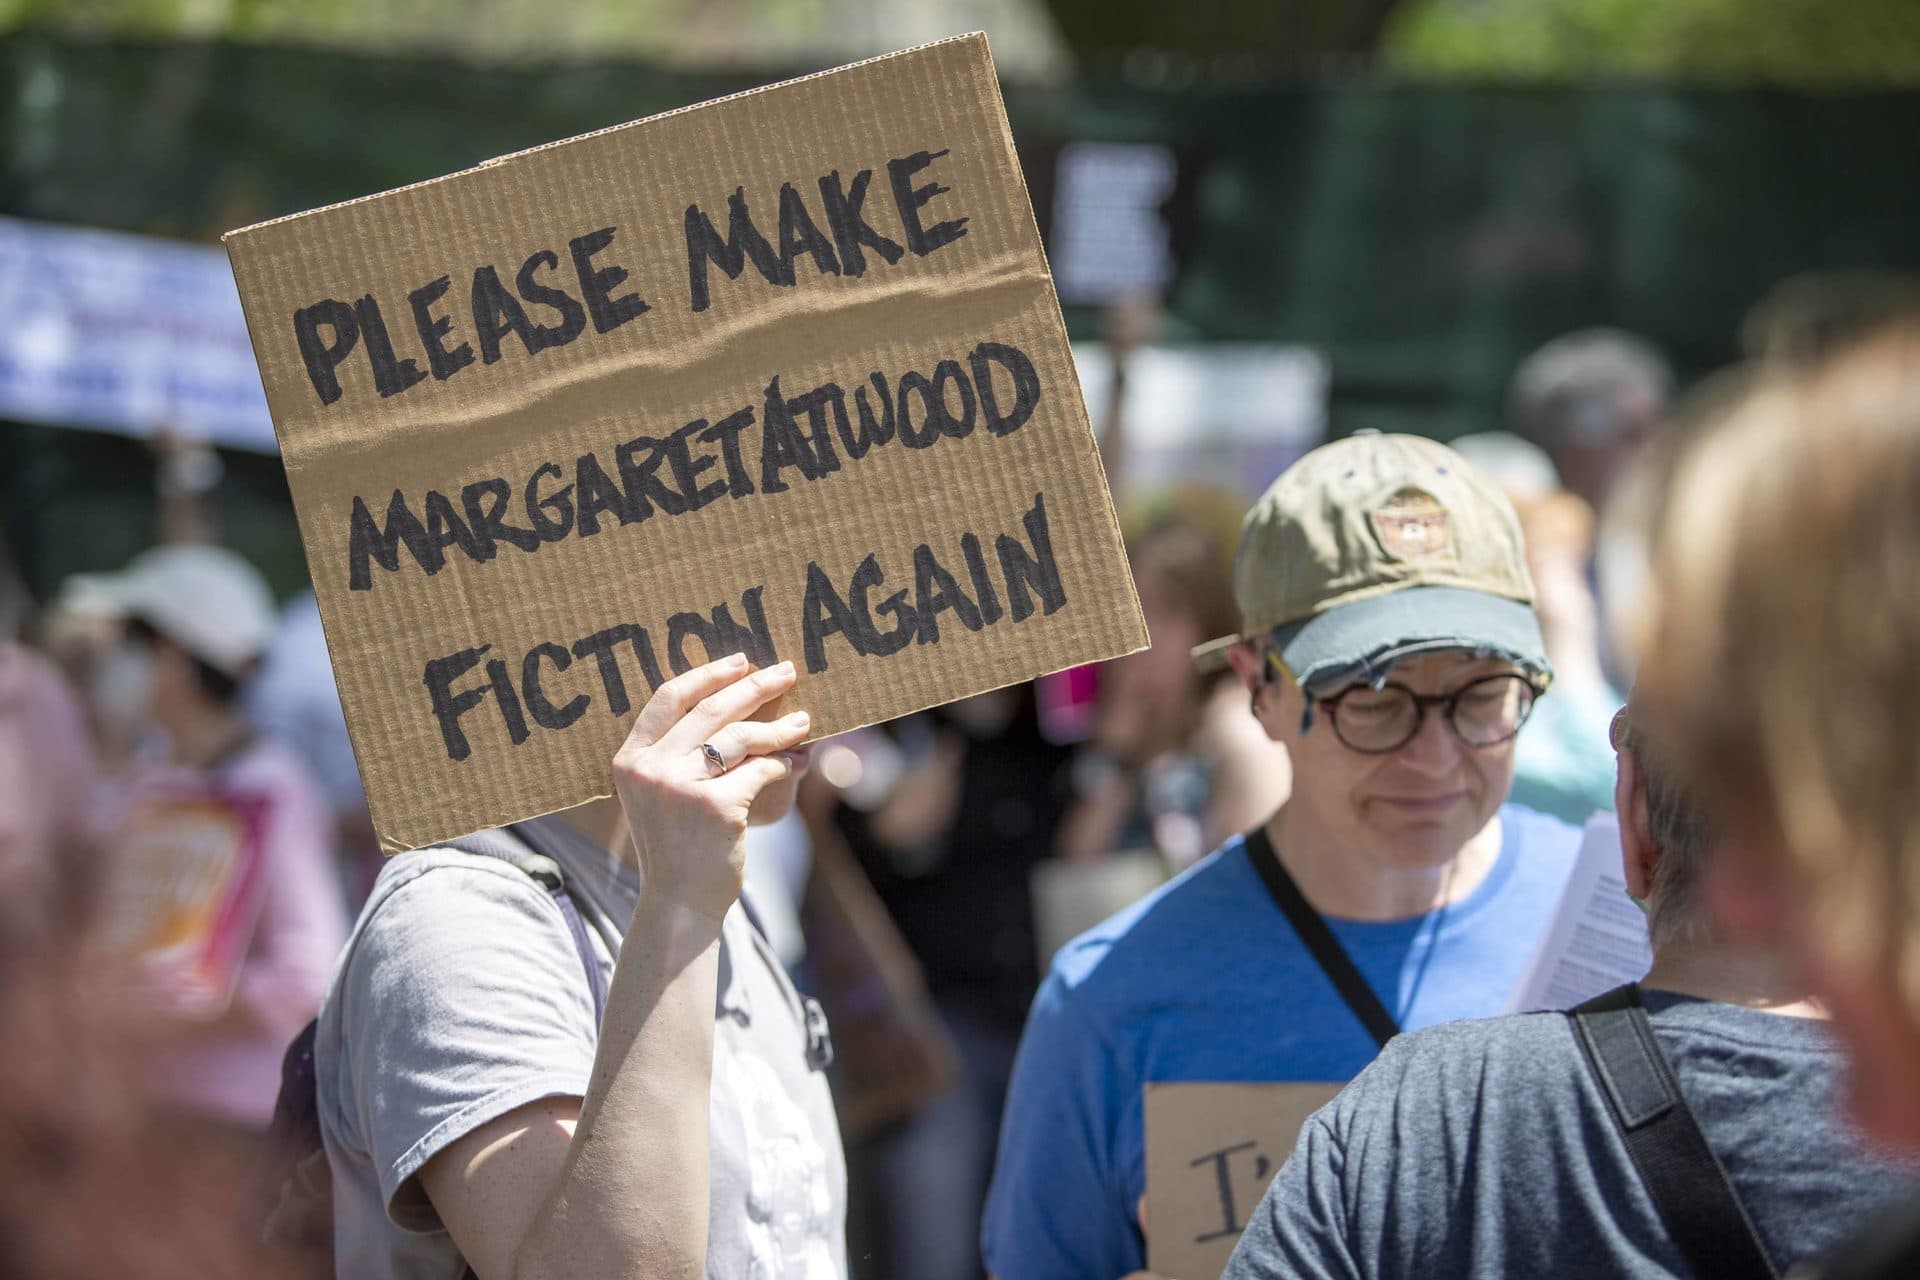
{"x":1312,"y":928}
{"x":560,"y":842}
{"x":1689,"y":1186}
{"x":547,"y":873}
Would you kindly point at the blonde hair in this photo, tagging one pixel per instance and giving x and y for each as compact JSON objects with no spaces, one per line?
{"x":1784,"y":661}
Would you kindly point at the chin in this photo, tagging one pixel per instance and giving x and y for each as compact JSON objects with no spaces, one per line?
{"x":1423,"y":848}
{"x":1424,"y":841}
{"x":773,"y":804}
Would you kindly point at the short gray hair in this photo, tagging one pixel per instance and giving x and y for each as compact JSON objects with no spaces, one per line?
{"x":1566,"y":389}
{"x":1679,"y":832}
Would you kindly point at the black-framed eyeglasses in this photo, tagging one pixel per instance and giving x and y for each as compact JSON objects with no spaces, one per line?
{"x":1481,"y":713}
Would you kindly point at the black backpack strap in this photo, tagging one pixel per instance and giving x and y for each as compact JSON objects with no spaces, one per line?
{"x":294,"y":1186}
{"x":1690,"y":1188}
{"x":753,"y":917}
{"x":583,"y":944}
{"x":1333,"y":958}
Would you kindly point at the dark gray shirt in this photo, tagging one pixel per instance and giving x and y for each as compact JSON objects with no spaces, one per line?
{"x":1485,"y":1149}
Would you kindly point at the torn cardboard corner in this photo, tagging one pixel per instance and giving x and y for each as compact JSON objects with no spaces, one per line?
{"x":781,"y":373}
{"x":1211,"y":1151}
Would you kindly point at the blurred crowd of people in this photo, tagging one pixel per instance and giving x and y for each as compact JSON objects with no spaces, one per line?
{"x":170,"y":715}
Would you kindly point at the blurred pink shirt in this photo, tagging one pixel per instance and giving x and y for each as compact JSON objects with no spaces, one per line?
{"x":46,"y":784}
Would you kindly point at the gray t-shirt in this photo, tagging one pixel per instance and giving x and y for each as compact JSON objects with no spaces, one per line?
{"x":1485,"y":1149}
{"x":461,"y":996}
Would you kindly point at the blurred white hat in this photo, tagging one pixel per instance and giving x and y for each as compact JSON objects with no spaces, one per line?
{"x":207,"y":600}
{"x":1521,"y":468}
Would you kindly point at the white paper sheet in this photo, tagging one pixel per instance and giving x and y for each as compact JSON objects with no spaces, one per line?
{"x":1598,"y":937}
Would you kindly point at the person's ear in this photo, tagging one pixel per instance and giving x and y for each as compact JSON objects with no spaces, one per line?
{"x":1638,"y":853}
{"x":1246,"y":663}
{"x":1268,"y":697}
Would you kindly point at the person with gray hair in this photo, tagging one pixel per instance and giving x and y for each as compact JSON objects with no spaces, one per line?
{"x":1591,"y":398}
{"x":1511,"y":1146}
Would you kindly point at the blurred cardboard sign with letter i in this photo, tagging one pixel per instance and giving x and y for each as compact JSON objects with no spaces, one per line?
{"x":1211,"y":1151}
{"x":782,"y":373}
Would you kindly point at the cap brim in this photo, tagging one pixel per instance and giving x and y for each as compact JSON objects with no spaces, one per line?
{"x":1359,"y":640}
{"x":100,"y":594}
{"x":1212,"y":656}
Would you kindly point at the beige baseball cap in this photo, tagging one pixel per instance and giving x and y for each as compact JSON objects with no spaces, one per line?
{"x":1375,"y":548}
{"x":207,"y":600}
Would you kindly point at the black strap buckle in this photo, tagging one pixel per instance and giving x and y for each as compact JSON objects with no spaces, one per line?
{"x":819,"y":1038}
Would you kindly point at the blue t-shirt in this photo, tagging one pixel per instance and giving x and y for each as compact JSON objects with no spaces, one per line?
{"x":1204,"y":980}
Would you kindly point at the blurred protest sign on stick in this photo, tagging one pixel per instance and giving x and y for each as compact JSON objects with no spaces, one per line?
{"x":781,"y":373}
{"x":182,"y":890}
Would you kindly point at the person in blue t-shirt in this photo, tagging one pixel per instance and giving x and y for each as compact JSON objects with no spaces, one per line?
{"x":1389,"y":642}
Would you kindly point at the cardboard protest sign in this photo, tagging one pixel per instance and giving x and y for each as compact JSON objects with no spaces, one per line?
{"x":183,"y":885}
{"x":781,"y":373}
{"x":1211,"y":1150}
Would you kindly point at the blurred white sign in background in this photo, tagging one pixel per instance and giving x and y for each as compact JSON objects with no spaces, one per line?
{"x":128,"y":334}
{"x":1229,"y":413}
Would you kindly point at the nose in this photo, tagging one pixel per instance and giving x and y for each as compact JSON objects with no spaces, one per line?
{"x":1433,"y":750}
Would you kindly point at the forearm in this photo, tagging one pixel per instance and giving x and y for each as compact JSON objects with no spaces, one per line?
{"x":632,"y":1194}
{"x":632,"y":1197}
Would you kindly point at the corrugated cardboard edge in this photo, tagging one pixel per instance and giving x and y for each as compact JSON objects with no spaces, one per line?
{"x":496,"y":161}
{"x":391,"y":846}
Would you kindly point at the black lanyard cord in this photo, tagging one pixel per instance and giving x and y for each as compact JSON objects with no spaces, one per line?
{"x":1313,"y":931}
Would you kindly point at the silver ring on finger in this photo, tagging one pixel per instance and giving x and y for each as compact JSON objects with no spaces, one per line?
{"x":716,"y":763}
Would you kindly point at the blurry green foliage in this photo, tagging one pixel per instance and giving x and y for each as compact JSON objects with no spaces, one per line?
{"x":1787,"y":42}
{"x":1264,"y":35}
{"x":714,"y":31}
{"x":1423,"y":236}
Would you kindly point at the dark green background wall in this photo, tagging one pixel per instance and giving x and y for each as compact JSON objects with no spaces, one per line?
{"x":1424,"y":237}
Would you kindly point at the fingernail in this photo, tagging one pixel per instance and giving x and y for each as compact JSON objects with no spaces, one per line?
{"x":798,"y":719}
{"x":735,"y":661}
{"x":786,"y":667}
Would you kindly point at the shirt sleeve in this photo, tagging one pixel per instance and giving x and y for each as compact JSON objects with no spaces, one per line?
{"x":1299,"y":1231}
{"x":462,"y":1000}
{"x":1058,"y":1206}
